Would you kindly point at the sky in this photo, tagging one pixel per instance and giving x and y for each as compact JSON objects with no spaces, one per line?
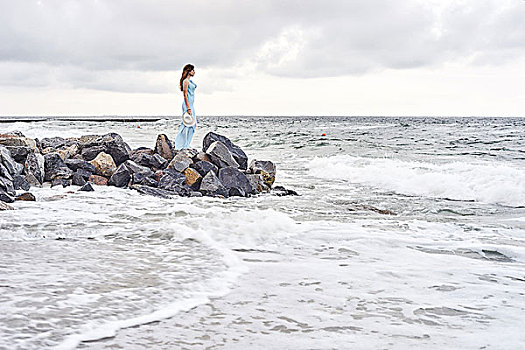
{"x":263,"y":57}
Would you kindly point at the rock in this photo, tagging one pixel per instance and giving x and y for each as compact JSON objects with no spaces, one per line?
{"x":193,"y":178}
{"x":158,"y":162}
{"x":75,"y":164}
{"x":54,"y":142}
{"x":87,"y":187}
{"x":17,"y":140}
{"x":281,"y":191}
{"x":60,"y":182}
{"x":104,"y":164}
{"x":134,"y":168}
{"x":34,"y":169}
{"x":9,"y":163}
{"x":69,"y":152}
{"x":256,"y":180}
{"x":27,"y":196}
{"x":157,"y":192}
{"x":141,"y":150}
{"x":20,"y":183}
{"x":221,"y":156}
{"x":98,"y":180}
{"x":266,"y":168}
{"x":180,"y":163}
{"x":201,"y":156}
{"x":5,"y":173}
{"x":7,"y":186}
{"x":5,"y":197}
{"x":238,"y":154}
{"x":4,"y":206}
{"x":203,"y":167}
{"x":159,"y":174}
{"x":111,"y":143}
{"x":188,"y":152}
{"x":195,"y":194}
{"x":168,"y":181}
{"x":19,"y":153}
{"x":212,"y":186}
{"x":164,"y":147}
{"x":232,"y":177}
{"x":55,"y":167}
{"x":121,"y":176}
{"x":142,"y":159}
{"x":78,"y":179}
{"x":141,"y":179}
{"x":84,"y":173}
{"x":90,"y":153}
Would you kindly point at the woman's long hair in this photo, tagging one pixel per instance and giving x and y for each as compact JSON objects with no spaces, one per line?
{"x":185,"y":71}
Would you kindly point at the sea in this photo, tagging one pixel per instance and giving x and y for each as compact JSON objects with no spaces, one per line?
{"x":407,"y":233}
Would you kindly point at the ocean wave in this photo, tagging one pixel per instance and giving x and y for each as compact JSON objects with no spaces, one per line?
{"x":488,"y":182}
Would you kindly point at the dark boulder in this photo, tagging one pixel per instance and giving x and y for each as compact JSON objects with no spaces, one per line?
{"x":5,"y":197}
{"x":60,"y":182}
{"x":142,"y":159}
{"x":54,"y":142}
{"x":135,"y":168}
{"x":267,"y":170}
{"x":141,"y":150}
{"x":212,"y":186}
{"x":232,"y":177}
{"x":169,"y":181}
{"x":221,"y":156}
{"x":76,"y":164}
{"x":141,"y":179}
{"x":9,"y":163}
{"x":84,"y":173}
{"x":20,"y":183}
{"x":203,"y":167}
{"x":238,"y":154}
{"x":78,"y":180}
{"x":19,"y":153}
{"x":7,"y":186}
{"x":5,"y":173}
{"x":87,"y":187}
{"x":164,"y":147}
{"x":281,"y":191}
{"x":111,"y":143}
{"x":55,"y":168}
{"x":34,"y":169}
{"x":121,"y":176}
{"x":158,"y":162}
{"x":92,"y":152}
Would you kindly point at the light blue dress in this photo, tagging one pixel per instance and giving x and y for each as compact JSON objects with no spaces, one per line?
{"x":185,"y":134}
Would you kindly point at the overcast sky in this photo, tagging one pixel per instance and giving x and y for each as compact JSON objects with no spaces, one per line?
{"x":264,"y":57}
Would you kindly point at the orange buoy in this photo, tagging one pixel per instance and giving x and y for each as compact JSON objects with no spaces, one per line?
{"x":138,"y":126}
{"x":323,"y":135}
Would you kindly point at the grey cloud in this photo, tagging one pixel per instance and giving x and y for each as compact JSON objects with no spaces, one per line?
{"x":328,"y":38}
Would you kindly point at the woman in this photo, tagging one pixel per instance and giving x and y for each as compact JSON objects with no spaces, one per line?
{"x":187,"y":86}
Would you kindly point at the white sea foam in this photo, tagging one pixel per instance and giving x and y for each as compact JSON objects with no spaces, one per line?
{"x":488,"y":182}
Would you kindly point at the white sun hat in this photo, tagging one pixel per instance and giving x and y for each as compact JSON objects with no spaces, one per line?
{"x":188,"y":119}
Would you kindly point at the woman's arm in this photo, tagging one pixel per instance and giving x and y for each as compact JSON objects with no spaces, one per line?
{"x":185,"y":84}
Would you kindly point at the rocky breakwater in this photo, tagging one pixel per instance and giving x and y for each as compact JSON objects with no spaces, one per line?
{"x":220,"y":169}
